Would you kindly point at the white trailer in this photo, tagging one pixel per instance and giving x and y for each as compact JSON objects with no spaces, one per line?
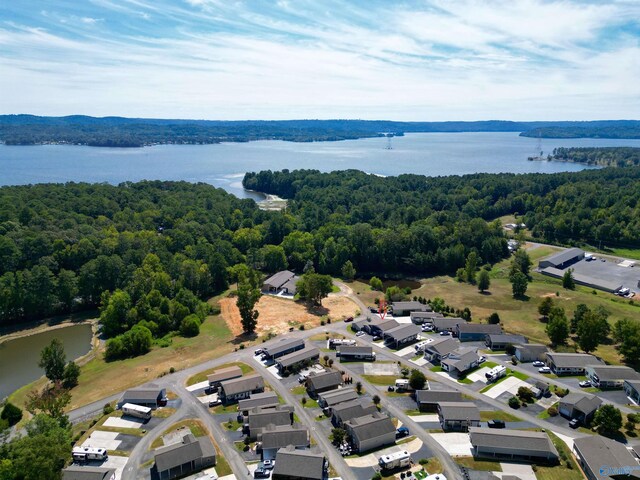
{"x":402,"y":384}
{"x":395,"y":460}
{"x":85,"y":454}
{"x":138,"y":411}
{"x":496,"y":372}
{"x":333,"y":343}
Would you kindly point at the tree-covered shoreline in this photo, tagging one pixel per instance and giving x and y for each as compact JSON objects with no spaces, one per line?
{"x":600,"y":156}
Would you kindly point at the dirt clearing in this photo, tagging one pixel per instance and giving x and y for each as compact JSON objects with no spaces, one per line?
{"x":277,"y":315}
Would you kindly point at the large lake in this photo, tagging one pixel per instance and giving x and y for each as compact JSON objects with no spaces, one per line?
{"x":224,"y":165}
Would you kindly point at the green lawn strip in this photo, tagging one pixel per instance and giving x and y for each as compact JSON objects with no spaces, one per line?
{"x":232,"y":425}
{"x":486,"y":465}
{"x":562,"y":471}
{"x":545,"y":413}
{"x":406,"y":440}
{"x":222,"y":466}
{"x":311,"y":403}
{"x":413,"y":412}
{"x":299,"y":390}
{"x":436,"y":368}
{"x":220,"y":409}
{"x":381,"y":379}
{"x":498,"y":415}
{"x":118,"y":453}
{"x":146,"y":464}
{"x":202,"y":376}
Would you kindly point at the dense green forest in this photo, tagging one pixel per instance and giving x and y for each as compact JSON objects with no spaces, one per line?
{"x":137,"y":132}
{"x":623,"y":129}
{"x":602,"y":156}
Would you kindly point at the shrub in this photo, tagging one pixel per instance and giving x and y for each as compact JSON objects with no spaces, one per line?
{"x":514,"y":402}
{"x":423,"y":461}
{"x":172,"y":370}
{"x":107,"y":409}
{"x":552,"y":411}
{"x":322,"y":322}
{"x":11,"y":414}
{"x":241,"y":346}
{"x":376,"y":476}
{"x":301,"y":327}
{"x":190,"y":326}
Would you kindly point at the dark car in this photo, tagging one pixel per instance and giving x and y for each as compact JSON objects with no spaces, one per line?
{"x":348,"y":319}
{"x":402,"y":432}
{"x":575,"y":423}
{"x":261,"y":472}
{"x":496,"y":424}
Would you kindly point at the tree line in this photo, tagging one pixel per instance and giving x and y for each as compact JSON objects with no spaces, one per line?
{"x":602,"y":156}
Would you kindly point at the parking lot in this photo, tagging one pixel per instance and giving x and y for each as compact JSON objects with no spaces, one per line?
{"x":609,"y":271}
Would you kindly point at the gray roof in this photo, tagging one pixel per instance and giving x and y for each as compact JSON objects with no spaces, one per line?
{"x":541,"y":385}
{"x":583,"y":402}
{"x":412,"y":305}
{"x":534,"y":348}
{"x":403,"y":331}
{"x":291,"y":284}
{"x":75,"y":472}
{"x":507,"y":338}
{"x":572,"y":360}
{"x":582,"y":279}
{"x":461,"y":357}
{"x":437,"y":396}
{"x":150,"y":393}
{"x":614,"y":372}
{"x":564,"y":256}
{"x":242,"y":384}
{"x":223,"y":374}
{"x":425,"y":315}
{"x":384,"y":324}
{"x":479,"y":328}
{"x":283,"y":345}
{"x":325,"y":380}
{"x":299,"y":463}
{"x":355,"y":408}
{"x":279,"y":279}
{"x":459,"y":411}
{"x":299,"y":356}
{"x":517,"y":440}
{"x":283,"y":435}
{"x":442,"y":346}
{"x":349,"y":350}
{"x":261,"y":417}
{"x":597,"y":452}
{"x":447,"y":322}
{"x":263,"y":399}
{"x":635,"y":384}
{"x":178,"y":454}
{"x":335,"y":397}
{"x":370,"y":426}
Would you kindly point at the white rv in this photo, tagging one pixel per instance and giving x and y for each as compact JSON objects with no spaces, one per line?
{"x":402,"y":384}
{"x":85,"y":454}
{"x":496,"y":372}
{"x":138,"y":411}
{"x":395,"y":460}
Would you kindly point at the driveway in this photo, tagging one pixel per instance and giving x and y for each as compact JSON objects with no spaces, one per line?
{"x":456,"y":444}
{"x":520,"y":470}
{"x":510,"y":385}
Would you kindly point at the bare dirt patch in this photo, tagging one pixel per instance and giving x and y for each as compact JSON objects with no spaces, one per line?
{"x":277,"y":315}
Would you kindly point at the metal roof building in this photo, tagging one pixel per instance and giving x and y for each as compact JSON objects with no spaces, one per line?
{"x":563,"y":259}
{"x":292,"y":464}
{"x":512,"y":444}
{"x":75,"y":472}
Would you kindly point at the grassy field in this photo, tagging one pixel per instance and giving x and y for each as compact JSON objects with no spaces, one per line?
{"x":380,"y":379}
{"x":498,"y":415}
{"x":99,"y":379}
{"x":202,"y":376}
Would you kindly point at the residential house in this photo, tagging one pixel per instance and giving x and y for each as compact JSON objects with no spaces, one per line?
{"x":632,"y":389}
{"x":219,"y":376}
{"x":75,"y":472}
{"x":458,"y":416}
{"x":402,"y":309}
{"x":151,"y":396}
{"x":295,"y":464}
{"x":350,"y":353}
{"x":296,"y":360}
{"x":283,"y":347}
{"x":323,"y":382}
{"x":239,"y":388}
{"x":264,"y":399}
{"x":335,"y":397}
{"x":500,"y":341}
{"x":541,"y":389}
{"x":474,"y":332}
{"x":610,"y":376}
{"x":439,"y":349}
{"x":346,"y":411}
{"x":424,"y":317}
{"x":601,"y":458}
{"x":579,"y":405}
{"x":358,"y":325}
{"x":512,"y":445}
{"x":461,"y":360}
{"x":531,"y":352}
{"x":275,"y":437}
{"x":402,"y":335}
{"x":378,"y":326}
{"x":428,"y":400}
{"x":281,"y":282}
{"x":447,"y":324}
{"x":184,"y":458}
{"x":370,"y":432}
{"x":260,"y":418}
{"x":570,"y":363}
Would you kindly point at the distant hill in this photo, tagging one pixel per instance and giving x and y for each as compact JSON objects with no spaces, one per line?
{"x":136,"y":132}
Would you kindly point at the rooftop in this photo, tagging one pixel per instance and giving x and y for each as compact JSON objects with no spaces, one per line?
{"x":324,"y":380}
{"x":437,"y":396}
{"x":225,"y":374}
{"x":259,"y":400}
{"x":299,"y":463}
{"x":507,"y":338}
{"x":283,"y":345}
{"x":459,"y":411}
{"x":598,"y":452}
{"x":479,"y":328}
{"x":335,"y":397}
{"x":564,"y":256}
{"x":442,"y":346}
{"x":279,"y":279}
{"x":74,"y":472}
{"x":614,"y":372}
{"x":350,"y":350}
{"x":150,"y":393}
{"x":520,"y":440}
{"x":583,"y":402}
{"x":284,"y":435}
{"x":412,"y":305}
{"x":299,"y":356}
{"x":370,"y":426}
{"x":178,"y":454}
{"x":403,"y":331}
{"x":573,"y":359}
{"x":242,"y":384}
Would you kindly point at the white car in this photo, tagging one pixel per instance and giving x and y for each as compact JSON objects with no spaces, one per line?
{"x":538,"y":363}
{"x":444,"y":333}
{"x":544,"y":370}
{"x":360,"y":333}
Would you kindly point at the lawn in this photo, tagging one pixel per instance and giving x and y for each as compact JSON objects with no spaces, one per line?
{"x":381,"y":379}
{"x":562,"y":471}
{"x":202,"y":376}
{"x":195,"y":426}
{"x":299,"y":390}
{"x":472,"y":463}
{"x":310,"y":403}
{"x":511,"y":373}
{"x":545,"y":413}
{"x":498,"y":415}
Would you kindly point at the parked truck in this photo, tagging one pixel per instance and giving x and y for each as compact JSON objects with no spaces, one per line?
{"x":86,"y":454}
{"x":395,"y":460}
{"x":137,"y":411}
{"x":496,"y":372}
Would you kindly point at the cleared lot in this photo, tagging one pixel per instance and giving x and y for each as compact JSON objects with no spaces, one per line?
{"x":456,"y":444}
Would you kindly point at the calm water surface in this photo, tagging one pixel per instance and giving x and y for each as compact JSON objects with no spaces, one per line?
{"x":224,"y":165}
{"x":19,"y":358}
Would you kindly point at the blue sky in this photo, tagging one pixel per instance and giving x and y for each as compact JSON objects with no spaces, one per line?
{"x":414,"y":60}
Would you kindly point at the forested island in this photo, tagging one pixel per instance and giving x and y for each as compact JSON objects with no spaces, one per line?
{"x":138,"y":132}
{"x":601,"y":156}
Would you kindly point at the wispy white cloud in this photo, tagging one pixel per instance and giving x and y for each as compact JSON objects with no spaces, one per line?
{"x":466,"y":59}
